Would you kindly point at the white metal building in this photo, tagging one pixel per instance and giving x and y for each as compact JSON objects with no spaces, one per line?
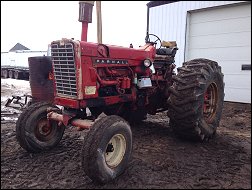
{"x":217,"y":30}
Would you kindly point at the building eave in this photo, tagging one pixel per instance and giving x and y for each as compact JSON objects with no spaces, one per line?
{"x":158,"y":3}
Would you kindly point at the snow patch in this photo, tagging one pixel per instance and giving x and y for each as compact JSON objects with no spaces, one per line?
{"x":16,"y":87}
{"x":9,"y":119}
{"x":14,"y":83}
{"x":10,"y":87}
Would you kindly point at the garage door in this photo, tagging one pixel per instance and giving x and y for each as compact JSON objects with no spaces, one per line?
{"x":223,"y":34}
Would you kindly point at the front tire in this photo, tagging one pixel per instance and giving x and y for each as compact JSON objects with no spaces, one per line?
{"x":32,"y":131}
{"x":196,"y":99}
{"x":107,"y":149}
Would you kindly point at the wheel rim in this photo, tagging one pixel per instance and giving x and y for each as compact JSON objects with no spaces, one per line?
{"x":43,"y":131}
{"x":210,"y":102}
{"x":115,"y":150}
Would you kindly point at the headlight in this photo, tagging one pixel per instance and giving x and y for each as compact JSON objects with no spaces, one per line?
{"x":147,"y":63}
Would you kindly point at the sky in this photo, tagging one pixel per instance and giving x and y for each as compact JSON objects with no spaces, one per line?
{"x":35,"y":24}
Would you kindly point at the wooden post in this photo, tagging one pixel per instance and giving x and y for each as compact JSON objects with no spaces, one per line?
{"x":99,"y":22}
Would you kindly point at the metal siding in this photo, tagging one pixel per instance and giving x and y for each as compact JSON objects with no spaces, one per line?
{"x":173,"y":27}
{"x":224,"y":35}
{"x":175,"y":21}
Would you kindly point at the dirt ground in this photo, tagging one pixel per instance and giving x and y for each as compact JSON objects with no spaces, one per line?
{"x":159,"y":158}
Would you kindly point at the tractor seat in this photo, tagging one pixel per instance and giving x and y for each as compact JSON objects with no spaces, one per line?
{"x":171,"y":51}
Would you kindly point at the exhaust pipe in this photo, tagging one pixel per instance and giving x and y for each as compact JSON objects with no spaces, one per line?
{"x":85,"y":16}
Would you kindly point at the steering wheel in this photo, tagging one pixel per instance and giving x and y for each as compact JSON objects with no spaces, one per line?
{"x":147,"y":39}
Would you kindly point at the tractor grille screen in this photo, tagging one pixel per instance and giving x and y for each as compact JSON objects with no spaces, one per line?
{"x":64,"y":69}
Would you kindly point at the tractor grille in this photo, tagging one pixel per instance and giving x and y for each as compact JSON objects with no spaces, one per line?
{"x":64,"y":69}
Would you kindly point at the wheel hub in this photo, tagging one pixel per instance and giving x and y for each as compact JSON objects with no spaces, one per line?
{"x":110,"y":148}
{"x":210,"y":102}
{"x":43,"y":130}
{"x":115,"y":150}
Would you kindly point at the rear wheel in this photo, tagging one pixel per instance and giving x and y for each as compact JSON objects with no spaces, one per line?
{"x":196,"y":99}
{"x":107,"y":149}
{"x":33,"y":132}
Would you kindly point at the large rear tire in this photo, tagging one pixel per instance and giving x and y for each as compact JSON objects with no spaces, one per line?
{"x":32,"y":131}
{"x":196,"y":99}
{"x":107,"y":149}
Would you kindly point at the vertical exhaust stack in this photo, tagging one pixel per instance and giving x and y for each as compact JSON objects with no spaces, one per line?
{"x":85,"y":16}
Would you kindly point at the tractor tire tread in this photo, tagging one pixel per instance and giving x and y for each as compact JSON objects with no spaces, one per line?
{"x":186,"y":99}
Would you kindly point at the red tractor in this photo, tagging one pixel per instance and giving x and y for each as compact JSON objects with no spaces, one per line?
{"x":126,"y":84}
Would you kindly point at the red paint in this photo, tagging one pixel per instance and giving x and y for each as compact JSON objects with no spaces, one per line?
{"x":118,"y":52}
{"x":128,"y":82}
{"x":118,"y":69}
{"x":105,"y":75}
{"x":106,"y":82}
{"x":125,"y":83}
{"x":84,"y":31}
{"x":67,"y":102}
{"x":91,"y":74}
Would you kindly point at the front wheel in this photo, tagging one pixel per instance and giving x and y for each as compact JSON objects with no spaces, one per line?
{"x":196,"y":99}
{"x":33,"y":132}
{"x":107,"y":149}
